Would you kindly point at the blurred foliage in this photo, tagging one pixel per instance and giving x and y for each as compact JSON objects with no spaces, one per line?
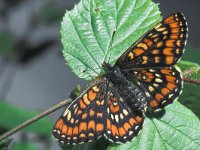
{"x":5,"y":144}
{"x":11,"y":116}
{"x":24,"y":146}
{"x":192,"y":54}
{"x":7,"y":43}
{"x":51,"y":13}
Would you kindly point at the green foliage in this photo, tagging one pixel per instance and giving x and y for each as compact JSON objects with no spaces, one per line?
{"x":11,"y":116}
{"x":4,"y":144}
{"x":191,"y":92}
{"x":24,"y":146}
{"x":87,"y":31}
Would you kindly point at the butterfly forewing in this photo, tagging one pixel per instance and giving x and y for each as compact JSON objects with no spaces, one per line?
{"x":162,"y":46}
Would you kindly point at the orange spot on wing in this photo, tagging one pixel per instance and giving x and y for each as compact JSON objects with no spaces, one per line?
{"x":165,"y":91}
{"x":139,"y":119}
{"x":174,"y":36}
{"x":91,"y":125}
{"x":171,"y":86}
{"x":82,"y":135}
{"x":91,"y":113}
{"x":58,"y":124}
{"x":158,"y":97}
{"x":114,"y":130}
{"x":175,"y":30}
{"x":148,"y":42}
{"x":169,"y":60}
{"x":155,"y":51}
{"x":75,"y":131}
{"x":121,"y":132}
{"x":138,"y":51}
{"x":166,"y":71}
{"x":92,"y":95}
{"x":114,"y":109}
{"x":153,"y":103}
{"x":170,"y":43}
{"x":174,"y":25}
{"x":64,"y":129}
{"x":127,"y":126}
{"x":85,"y":99}
{"x":82,"y":126}
{"x":159,"y":44}
{"x":100,"y":115}
{"x":132,"y":121}
{"x":168,"y":51}
{"x":170,"y":19}
{"x":99,"y":127}
{"x":157,"y":59}
{"x":69,"y":131}
{"x":142,"y":45}
{"x":84,"y":116}
{"x":82,"y":105}
{"x":170,"y":78}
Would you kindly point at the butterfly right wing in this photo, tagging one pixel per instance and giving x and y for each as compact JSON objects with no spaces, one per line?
{"x":85,"y":119}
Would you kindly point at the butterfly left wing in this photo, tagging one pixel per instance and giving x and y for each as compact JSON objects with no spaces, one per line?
{"x":85,"y":119}
{"x":160,"y":85}
{"x":162,"y":46}
{"x":123,"y":123}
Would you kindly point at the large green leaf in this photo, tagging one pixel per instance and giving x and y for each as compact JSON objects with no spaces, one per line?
{"x":191,"y":92}
{"x":11,"y":116}
{"x":87,"y":31}
{"x":177,"y":129}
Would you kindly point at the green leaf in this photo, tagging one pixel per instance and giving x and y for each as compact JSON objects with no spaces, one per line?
{"x":87,"y":31}
{"x":191,"y":92}
{"x":25,"y":146}
{"x":178,"y":128}
{"x":4,"y":144}
{"x":12,"y":116}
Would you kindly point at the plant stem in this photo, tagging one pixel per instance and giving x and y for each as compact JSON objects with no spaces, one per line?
{"x":36,"y":118}
{"x":191,"y":81}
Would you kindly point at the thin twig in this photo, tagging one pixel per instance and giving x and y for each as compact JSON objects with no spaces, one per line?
{"x":36,"y":118}
{"x":191,"y":81}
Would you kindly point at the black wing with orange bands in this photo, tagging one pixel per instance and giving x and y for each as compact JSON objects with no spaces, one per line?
{"x":160,"y":85}
{"x":85,"y":119}
{"x":162,"y":46}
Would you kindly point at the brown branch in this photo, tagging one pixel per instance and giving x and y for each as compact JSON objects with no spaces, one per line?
{"x":191,"y":81}
{"x":36,"y":118}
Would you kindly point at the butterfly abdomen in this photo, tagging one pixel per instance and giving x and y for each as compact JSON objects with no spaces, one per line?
{"x":129,"y":91}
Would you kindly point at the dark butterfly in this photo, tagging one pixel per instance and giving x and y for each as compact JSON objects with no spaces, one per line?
{"x":143,"y":79}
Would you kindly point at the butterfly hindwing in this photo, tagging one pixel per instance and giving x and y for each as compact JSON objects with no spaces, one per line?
{"x":162,"y":46}
{"x":84,"y":120}
{"x":160,"y":85}
{"x":123,"y":124}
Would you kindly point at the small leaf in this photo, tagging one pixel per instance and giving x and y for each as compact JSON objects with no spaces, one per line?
{"x":25,"y":146}
{"x":178,"y":128}
{"x":4,"y":144}
{"x":87,"y":31}
{"x":191,"y":92}
{"x":11,"y":116}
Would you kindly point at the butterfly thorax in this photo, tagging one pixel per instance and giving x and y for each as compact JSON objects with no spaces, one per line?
{"x":129,"y":91}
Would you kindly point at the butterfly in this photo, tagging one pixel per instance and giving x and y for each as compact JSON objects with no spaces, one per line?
{"x":142,"y":80}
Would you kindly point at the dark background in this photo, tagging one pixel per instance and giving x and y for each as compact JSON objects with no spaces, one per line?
{"x":33,"y":75}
